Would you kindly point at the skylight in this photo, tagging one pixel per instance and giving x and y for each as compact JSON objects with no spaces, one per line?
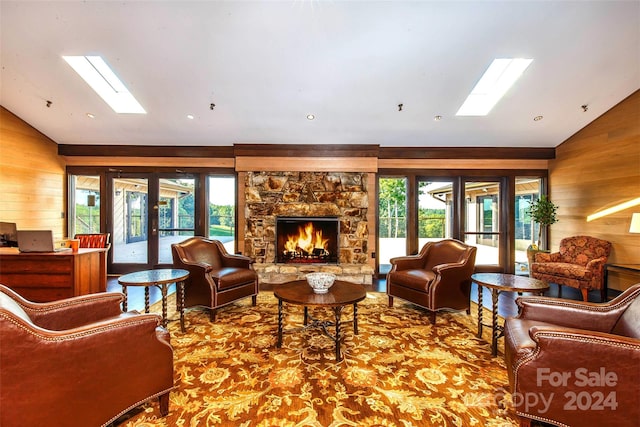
{"x":95,"y":71}
{"x":494,"y":83}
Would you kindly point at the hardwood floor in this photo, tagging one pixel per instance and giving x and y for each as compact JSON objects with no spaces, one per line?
{"x":506,"y":302}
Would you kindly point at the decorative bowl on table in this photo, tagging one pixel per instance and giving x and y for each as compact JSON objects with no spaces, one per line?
{"x":320,"y":282}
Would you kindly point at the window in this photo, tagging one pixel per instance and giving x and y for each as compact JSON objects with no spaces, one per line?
{"x":435,"y":201}
{"x":392,"y":224}
{"x":222,"y":210}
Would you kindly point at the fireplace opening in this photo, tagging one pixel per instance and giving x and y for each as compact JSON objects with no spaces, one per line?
{"x":307,"y":240}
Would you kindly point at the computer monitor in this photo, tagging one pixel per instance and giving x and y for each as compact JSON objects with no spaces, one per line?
{"x":8,"y":234}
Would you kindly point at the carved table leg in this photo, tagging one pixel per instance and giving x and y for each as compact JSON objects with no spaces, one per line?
{"x":146,"y":299}
{"x":338,"y":337}
{"x":180,"y":286}
{"x":163,"y":289}
{"x":495,"y":294}
{"x":355,"y":319}
{"x":124,"y":302}
{"x":480,"y":289}
{"x":280,"y":319}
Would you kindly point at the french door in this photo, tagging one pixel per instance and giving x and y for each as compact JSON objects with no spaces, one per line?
{"x":148,"y":212}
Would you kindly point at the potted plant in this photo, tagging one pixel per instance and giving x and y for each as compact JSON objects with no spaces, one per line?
{"x":543,"y":212}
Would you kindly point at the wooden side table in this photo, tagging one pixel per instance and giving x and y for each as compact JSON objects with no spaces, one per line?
{"x":498,"y":283}
{"x":160,"y":278}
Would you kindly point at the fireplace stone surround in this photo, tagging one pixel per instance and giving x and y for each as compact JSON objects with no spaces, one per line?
{"x":344,"y":195}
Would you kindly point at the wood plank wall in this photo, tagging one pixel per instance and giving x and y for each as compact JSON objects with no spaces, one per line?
{"x":32,"y":177}
{"x":595,"y":169}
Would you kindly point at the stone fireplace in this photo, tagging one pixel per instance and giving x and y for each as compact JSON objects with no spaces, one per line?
{"x":289,"y":200}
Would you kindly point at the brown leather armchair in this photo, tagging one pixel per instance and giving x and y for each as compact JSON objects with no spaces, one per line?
{"x":438,"y":277}
{"x":579,"y":263}
{"x":79,"y":361}
{"x":575,"y":363}
{"x":216,"y":278}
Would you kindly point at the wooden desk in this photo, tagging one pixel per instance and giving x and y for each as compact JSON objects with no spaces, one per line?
{"x":631,"y":270}
{"x":50,"y":276}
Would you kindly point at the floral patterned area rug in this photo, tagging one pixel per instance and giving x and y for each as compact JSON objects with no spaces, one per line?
{"x":398,"y":371}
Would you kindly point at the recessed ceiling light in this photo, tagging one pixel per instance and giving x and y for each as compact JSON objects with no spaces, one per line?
{"x":95,"y":71}
{"x":537,"y":118}
{"x":310,"y":117}
{"x":91,"y":116}
{"x":494,"y":83}
{"x":437,"y":118}
{"x":190,"y":116}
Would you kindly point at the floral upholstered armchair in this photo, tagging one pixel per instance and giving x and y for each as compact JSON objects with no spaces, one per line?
{"x":579,"y":263}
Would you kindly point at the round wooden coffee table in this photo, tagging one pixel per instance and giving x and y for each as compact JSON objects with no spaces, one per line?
{"x":339,"y":295}
{"x":160,"y":278}
{"x":498,"y":283}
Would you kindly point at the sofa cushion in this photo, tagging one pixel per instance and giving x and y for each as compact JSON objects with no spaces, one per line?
{"x":230,"y":277}
{"x":415,"y":279}
{"x":563,"y":269}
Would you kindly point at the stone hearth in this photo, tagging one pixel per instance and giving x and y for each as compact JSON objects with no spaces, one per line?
{"x":314,"y":194}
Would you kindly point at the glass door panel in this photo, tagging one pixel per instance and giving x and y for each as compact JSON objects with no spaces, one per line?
{"x":176,"y":214}
{"x":85,"y":207}
{"x":130,"y":216}
{"x":222,"y":210}
{"x":528,"y":190}
{"x":392,"y":224}
{"x":435,"y":213}
{"x":482,"y":220}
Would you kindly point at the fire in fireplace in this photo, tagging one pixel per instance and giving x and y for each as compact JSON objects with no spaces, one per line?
{"x":307,"y":240}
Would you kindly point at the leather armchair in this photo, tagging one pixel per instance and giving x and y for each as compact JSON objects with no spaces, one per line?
{"x":579,"y":263}
{"x":216,"y":278}
{"x":575,"y":363}
{"x":79,"y":361}
{"x":438,"y":277}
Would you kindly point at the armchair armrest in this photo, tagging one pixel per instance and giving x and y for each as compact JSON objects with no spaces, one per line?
{"x":574,"y":314}
{"x":408,"y":262}
{"x":547,"y":257}
{"x":452,"y":272}
{"x":238,"y":261}
{"x":442,"y":268}
{"x":596,"y":263}
{"x":544,"y":335}
{"x":70,"y":312}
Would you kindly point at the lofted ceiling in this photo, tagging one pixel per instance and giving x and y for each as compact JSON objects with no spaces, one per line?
{"x":266,"y":65}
